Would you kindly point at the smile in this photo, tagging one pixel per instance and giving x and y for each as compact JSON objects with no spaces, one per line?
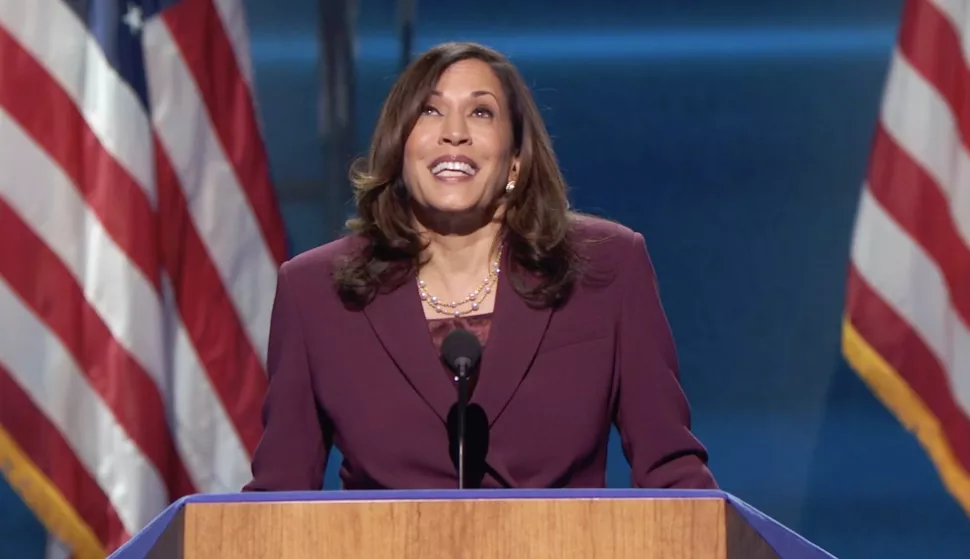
{"x":453,"y":167}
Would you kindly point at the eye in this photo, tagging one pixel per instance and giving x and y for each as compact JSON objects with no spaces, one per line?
{"x":429,"y":110}
{"x":483,"y":112}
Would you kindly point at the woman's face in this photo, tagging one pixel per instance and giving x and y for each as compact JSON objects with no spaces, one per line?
{"x":457,"y":159}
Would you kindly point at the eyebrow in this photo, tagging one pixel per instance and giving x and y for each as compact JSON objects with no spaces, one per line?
{"x":477,"y":93}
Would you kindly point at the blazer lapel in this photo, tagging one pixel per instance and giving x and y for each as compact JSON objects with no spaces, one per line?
{"x":513,"y":340}
{"x":398,"y":320}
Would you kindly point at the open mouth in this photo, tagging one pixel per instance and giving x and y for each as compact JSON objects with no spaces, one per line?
{"x":453,"y":167}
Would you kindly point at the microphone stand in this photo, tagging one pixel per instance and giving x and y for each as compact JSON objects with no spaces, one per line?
{"x":462,"y":407}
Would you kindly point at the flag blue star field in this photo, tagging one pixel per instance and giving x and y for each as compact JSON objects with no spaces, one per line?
{"x":141,"y":240}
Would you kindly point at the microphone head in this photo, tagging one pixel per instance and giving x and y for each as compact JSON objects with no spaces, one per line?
{"x":461,"y":349}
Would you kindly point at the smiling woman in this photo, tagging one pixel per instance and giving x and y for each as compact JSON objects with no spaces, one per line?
{"x":463,"y":137}
{"x":463,"y":222}
{"x":458,"y":132}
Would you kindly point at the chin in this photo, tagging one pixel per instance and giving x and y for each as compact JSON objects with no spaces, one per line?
{"x":456,"y":209}
{"x":454,"y":214}
{"x":455,"y":202}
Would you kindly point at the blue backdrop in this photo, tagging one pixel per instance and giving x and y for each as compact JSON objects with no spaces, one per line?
{"x":735,"y":136}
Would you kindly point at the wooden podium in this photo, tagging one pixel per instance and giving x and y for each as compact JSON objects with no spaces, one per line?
{"x":521,"y":524}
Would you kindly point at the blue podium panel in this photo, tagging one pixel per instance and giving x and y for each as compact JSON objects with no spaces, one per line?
{"x":785,"y":543}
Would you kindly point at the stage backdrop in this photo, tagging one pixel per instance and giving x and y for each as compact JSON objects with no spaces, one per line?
{"x":735,"y":136}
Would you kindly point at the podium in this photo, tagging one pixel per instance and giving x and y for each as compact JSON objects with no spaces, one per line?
{"x":477,"y":524}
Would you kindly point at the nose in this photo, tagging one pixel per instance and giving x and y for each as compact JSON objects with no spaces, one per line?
{"x":454,"y":130}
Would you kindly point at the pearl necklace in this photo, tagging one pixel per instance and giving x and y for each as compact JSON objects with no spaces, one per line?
{"x":474,"y":299}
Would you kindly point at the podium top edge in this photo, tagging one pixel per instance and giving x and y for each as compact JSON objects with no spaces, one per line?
{"x":450,"y":494}
{"x":788,"y":543}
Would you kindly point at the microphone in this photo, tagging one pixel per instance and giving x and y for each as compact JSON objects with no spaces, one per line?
{"x":461,"y":352}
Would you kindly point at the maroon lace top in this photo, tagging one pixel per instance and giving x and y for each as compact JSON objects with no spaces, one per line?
{"x":476,"y":324}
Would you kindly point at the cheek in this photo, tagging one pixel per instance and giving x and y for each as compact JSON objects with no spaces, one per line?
{"x":494,"y":149}
{"x":419,"y":145}
{"x":412,"y":163}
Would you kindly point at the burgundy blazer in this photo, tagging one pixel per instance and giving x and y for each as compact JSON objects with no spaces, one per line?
{"x":550,"y":383}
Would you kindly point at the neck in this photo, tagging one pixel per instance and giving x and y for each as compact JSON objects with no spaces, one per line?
{"x":458,"y":257}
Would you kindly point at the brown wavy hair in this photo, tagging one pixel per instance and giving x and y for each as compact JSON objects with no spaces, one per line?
{"x":537,"y":220}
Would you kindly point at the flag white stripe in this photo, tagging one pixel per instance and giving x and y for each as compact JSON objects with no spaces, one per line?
{"x":910,"y":282}
{"x":45,"y":198}
{"x":45,"y":370}
{"x":233,"y":16}
{"x":213,"y":453}
{"x":147,"y":324}
{"x":53,"y":35}
{"x":214,"y":456}
{"x":206,"y":439}
{"x":56,"y":549}
{"x":220,"y":210}
{"x":958,"y":13}
{"x":232,"y":13}
{"x":920,"y":121}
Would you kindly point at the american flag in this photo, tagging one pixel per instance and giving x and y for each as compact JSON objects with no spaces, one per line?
{"x":139,"y":245}
{"x":907,"y":321}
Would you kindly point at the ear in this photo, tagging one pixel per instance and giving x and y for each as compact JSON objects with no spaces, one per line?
{"x":514,"y":169}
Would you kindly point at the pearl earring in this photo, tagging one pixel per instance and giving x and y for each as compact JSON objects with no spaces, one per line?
{"x":510,"y":186}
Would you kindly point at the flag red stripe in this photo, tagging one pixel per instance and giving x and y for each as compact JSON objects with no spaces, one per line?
{"x":931,"y":45}
{"x":900,"y":346}
{"x":47,"y":449}
{"x":916,"y":203}
{"x":47,"y":287}
{"x":197,"y":29}
{"x":60,"y":129}
{"x":207,"y":311}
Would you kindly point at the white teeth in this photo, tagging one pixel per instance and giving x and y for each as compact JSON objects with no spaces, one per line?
{"x":459,"y":166}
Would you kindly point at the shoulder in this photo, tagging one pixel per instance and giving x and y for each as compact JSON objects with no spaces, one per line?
{"x":316,"y":266}
{"x":602,"y":234}
{"x":604,"y":247}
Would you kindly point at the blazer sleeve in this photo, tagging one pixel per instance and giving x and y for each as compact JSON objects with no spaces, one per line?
{"x":297,"y":435}
{"x":652,"y":413}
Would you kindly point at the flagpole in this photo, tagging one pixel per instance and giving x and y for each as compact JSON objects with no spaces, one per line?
{"x":336,"y":106}
{"x":406,"y":10}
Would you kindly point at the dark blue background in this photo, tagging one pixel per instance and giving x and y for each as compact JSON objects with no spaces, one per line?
{"x":735,"y":136}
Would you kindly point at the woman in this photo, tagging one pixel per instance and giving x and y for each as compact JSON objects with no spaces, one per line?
{"x":463,"y":221}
